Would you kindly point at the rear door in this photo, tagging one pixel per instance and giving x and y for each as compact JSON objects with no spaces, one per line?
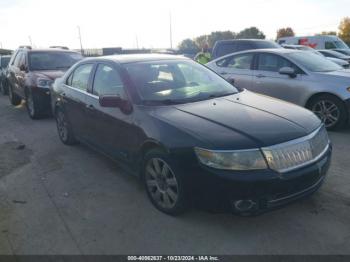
{"x":267,"y":79}
{"x":237,"y":68}
{"x":74,"y":98}
{"x":109,"y":129}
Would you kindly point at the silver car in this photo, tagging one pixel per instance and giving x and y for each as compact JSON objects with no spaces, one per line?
{"x":303,"y":78}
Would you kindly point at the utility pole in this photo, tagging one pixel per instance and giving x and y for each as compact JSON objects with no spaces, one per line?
{"x":137,"y":42}
{"x":171,"y":31}
{"x":81,"y":45}
{"x":30,"y":40}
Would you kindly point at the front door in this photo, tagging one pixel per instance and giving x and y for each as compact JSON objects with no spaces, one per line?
{"x":268,"y":81}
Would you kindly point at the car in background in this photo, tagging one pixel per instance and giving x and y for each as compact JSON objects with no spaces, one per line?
{"x":338,"y":61}
{"x":343,"y":51}
{"x":191,"y":136}
{"x":335,"y":54}
{"x":30,"y":74}
{"x":316,"y":42}
{"x":4,"y":60}
{"x":300,"y":77}
{"x":224,"y":47}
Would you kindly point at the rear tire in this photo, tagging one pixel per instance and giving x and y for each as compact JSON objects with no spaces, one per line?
{"x":15,"y":99}
{"x":164,"y":183}
{"x":64,"y":128}
{"x":331,"y":110}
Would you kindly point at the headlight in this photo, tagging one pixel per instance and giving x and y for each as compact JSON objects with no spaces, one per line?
{"x":232,"y":160}
{"x":43,"y":82}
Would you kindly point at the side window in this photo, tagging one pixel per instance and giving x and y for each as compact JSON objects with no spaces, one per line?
{"x":225,"y":49}
{"x":273,"y":63}
{"x":107,"y":81}
{"x":80,"y":77}
{"x":243,"y":45}
{"x":330,"y":45}
{"x":242,"y":61}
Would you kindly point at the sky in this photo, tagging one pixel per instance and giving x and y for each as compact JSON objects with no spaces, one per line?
{"x":146,"y":23}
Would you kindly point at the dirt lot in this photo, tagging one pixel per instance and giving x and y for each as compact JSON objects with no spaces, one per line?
{"x":56,"y":199}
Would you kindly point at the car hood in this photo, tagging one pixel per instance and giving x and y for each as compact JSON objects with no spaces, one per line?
{"x":244,"y":120}
{"x":51,"y":74}
{"x":341,"y":77}
{"x":338,"y":61}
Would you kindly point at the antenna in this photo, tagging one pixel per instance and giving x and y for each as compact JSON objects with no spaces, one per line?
{"x":171,"y":31}
{"x":30,"y":40}
{"x":81,"y":45}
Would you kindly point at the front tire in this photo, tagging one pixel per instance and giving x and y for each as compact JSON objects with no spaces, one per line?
{"x":33,"y":105}
{"x":64,"y":129}
{"x":3,"y":89}
{"x":331,"y":110}
{"x":15,"y":99}
{"x":164,"y":183}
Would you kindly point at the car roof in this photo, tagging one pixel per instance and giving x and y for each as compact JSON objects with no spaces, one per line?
{"x":47,"y":50}
{"x":134,"y":58}
{"x":243,"y":40}
{"x":266,"y":50}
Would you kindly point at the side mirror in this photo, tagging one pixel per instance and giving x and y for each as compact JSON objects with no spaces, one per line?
{"x":22,"y":68}
{"x":288,"y":71}
{"x":116,"y":102}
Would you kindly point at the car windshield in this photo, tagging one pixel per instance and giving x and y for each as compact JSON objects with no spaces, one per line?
{"x":340,"y":44}
{"x":170,"y":82}
{"x":266,"y":44}
{"x":313,"y":62}
{"x":52,"y":60}
{"x":335,"y":54}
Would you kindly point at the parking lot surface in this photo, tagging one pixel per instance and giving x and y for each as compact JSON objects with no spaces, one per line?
{"x":56,"y":199}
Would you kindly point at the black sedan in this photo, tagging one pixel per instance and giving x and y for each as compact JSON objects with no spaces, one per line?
{"x":191,"y":136}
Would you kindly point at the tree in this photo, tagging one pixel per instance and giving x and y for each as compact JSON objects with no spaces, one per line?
{"x":328,"y":33}
{"x":251,"y":33}
{"x":344,"y":30}
{"x":210,"y":40}
{"x":188,"y":46}
{"x":283,"y":32}
{"x":201,"y":41}
{"x":220,"y":35}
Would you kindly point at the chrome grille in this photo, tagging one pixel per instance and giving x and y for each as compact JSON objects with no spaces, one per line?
{"x":297,"y":153}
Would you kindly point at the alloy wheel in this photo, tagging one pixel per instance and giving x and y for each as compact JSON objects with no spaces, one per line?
{"x":327,"y":111}
{"x":161,"y":183}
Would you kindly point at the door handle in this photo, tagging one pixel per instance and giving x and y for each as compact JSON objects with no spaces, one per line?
{"x":260,"y":76}
{"x":91,"y":107}
{"x":223,"y":73}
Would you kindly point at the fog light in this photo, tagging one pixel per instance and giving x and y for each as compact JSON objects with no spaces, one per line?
{"x":244,"y":205}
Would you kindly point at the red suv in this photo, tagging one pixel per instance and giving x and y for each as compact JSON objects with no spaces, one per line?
{"x":30,"y":74}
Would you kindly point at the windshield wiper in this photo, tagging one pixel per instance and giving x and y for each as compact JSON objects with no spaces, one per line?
{"x":165,"y":102}
{"x":220,"y":95}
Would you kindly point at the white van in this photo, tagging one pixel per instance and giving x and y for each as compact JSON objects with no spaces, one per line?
{"x":316,"y":42}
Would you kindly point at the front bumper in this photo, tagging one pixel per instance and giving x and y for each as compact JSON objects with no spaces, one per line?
{"x":219,"y":190}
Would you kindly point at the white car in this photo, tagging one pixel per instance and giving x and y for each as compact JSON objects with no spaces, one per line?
{"x":338,"y":61}
{"x":316,"y":42}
